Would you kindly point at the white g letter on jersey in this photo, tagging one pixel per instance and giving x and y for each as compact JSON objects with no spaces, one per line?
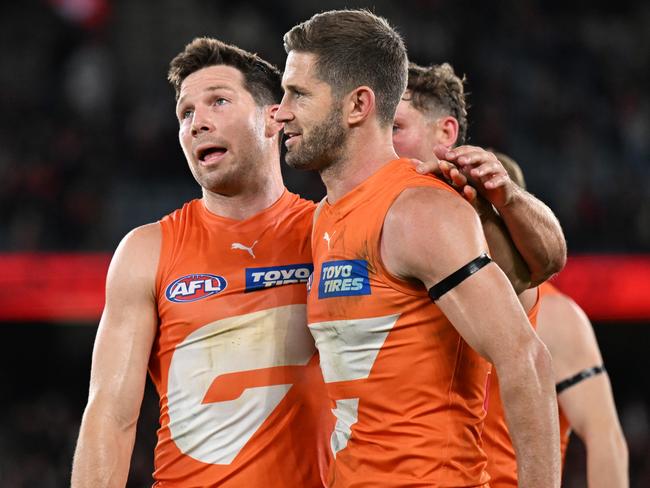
{"x":216,"y":432}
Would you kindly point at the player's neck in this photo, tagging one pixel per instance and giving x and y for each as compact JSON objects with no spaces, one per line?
{"x":367,"y":151}
{"x":253,"y":198}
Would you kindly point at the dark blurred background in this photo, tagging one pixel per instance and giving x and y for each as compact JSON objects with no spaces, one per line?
{"x":89,"y":150}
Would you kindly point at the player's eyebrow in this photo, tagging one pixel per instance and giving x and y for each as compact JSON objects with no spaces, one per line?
{"x":293,"y":88}
{"x":208,"y":89}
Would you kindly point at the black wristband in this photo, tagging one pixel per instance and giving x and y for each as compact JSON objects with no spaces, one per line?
{"x":457,"y":277}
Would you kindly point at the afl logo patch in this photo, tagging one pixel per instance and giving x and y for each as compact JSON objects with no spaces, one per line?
{"x":193,"y":287}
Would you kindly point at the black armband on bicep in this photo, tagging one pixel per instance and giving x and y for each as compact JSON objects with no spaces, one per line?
{"x":457,"y":277}
{"x":581,"y":376}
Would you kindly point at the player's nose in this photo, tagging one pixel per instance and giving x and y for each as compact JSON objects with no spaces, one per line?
{"x":283,"y":114}
{"x":201,"y":123}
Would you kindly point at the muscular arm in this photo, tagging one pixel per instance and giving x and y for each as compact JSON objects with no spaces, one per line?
{"x":588,"y":405}
{"x":485,"y":311}
{"x":502,"y":249}
{"x":536,"y":232}
{"x":532,"y":226}
{"x":119,"y":365}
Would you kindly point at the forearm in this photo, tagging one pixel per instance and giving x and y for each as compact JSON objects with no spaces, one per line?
{"x":530,"y":406}
{"x":536,"y":233}
{"x":502,"y":250}
{"x":607,"y":460}
{"x":103,"y":453}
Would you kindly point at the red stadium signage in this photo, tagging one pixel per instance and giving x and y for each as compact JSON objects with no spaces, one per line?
{"x":70,"y":287}
{"x":52,"y":287}
{"x":608,"y":287}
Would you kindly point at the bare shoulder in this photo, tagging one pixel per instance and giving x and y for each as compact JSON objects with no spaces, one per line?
{"x":432,"y":212}
{"x":430,"y":232}
{"x":567,"y":332}
{"x":561,"y":315}
{"x":416,"y":203}
{"x":142,"y":237}
{"x":136,"y":258}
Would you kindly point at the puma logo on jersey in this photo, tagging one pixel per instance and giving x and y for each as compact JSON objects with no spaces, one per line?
{"x":194,"y":287}
{"x":344,"y":278}
{"x":240,"y":246}
{"x":327,"y":238}
{"x":260,"y":278}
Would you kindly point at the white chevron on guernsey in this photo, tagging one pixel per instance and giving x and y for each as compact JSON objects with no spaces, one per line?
{"x":348,"y":350}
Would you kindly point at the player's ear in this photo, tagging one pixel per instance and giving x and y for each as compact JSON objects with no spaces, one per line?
{"x":272,"y":126}
{"x":359,"y":103}
{"x":446,"y":131}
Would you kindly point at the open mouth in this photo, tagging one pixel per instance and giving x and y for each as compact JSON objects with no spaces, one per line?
{"x":210,"y":154}
{"x":290,"y":137}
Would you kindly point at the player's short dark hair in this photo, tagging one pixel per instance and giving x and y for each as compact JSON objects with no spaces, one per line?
{"x":355,"y":48}
{"x":434,"y":89}
{"x":262,"y":80}
{"x":512,"y":168}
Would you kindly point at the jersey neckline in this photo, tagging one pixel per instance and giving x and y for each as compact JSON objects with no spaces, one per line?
{"x":269,"y":214}
{"x":349,"y":201}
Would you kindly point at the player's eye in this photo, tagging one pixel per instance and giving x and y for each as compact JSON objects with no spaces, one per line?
{"x":220,"y":101}
{"x":296,"y":93}
{"x":186,"y":113}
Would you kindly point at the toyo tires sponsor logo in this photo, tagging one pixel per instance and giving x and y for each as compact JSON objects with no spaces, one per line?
{"x":194,"y":287}
{"x":261,"y":278}
{"x":344,"y":279}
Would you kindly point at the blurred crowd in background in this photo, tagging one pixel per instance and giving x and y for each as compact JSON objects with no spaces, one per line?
{"x":88,"y":141}
{"x":89,"y":150}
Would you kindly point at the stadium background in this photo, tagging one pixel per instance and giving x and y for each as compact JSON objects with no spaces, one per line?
{"x":88,"y":150}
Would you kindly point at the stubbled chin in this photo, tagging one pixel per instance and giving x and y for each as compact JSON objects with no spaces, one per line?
{"x":294,"y":160}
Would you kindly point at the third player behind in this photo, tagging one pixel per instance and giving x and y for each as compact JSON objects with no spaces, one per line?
{"x":433,"y":113}
{"x":584,"y":393}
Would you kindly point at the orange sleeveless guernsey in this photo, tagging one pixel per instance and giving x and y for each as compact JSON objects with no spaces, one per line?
{"x":502,"y":464}
{"x":242,"y":401}
{"x":408,"y":391}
